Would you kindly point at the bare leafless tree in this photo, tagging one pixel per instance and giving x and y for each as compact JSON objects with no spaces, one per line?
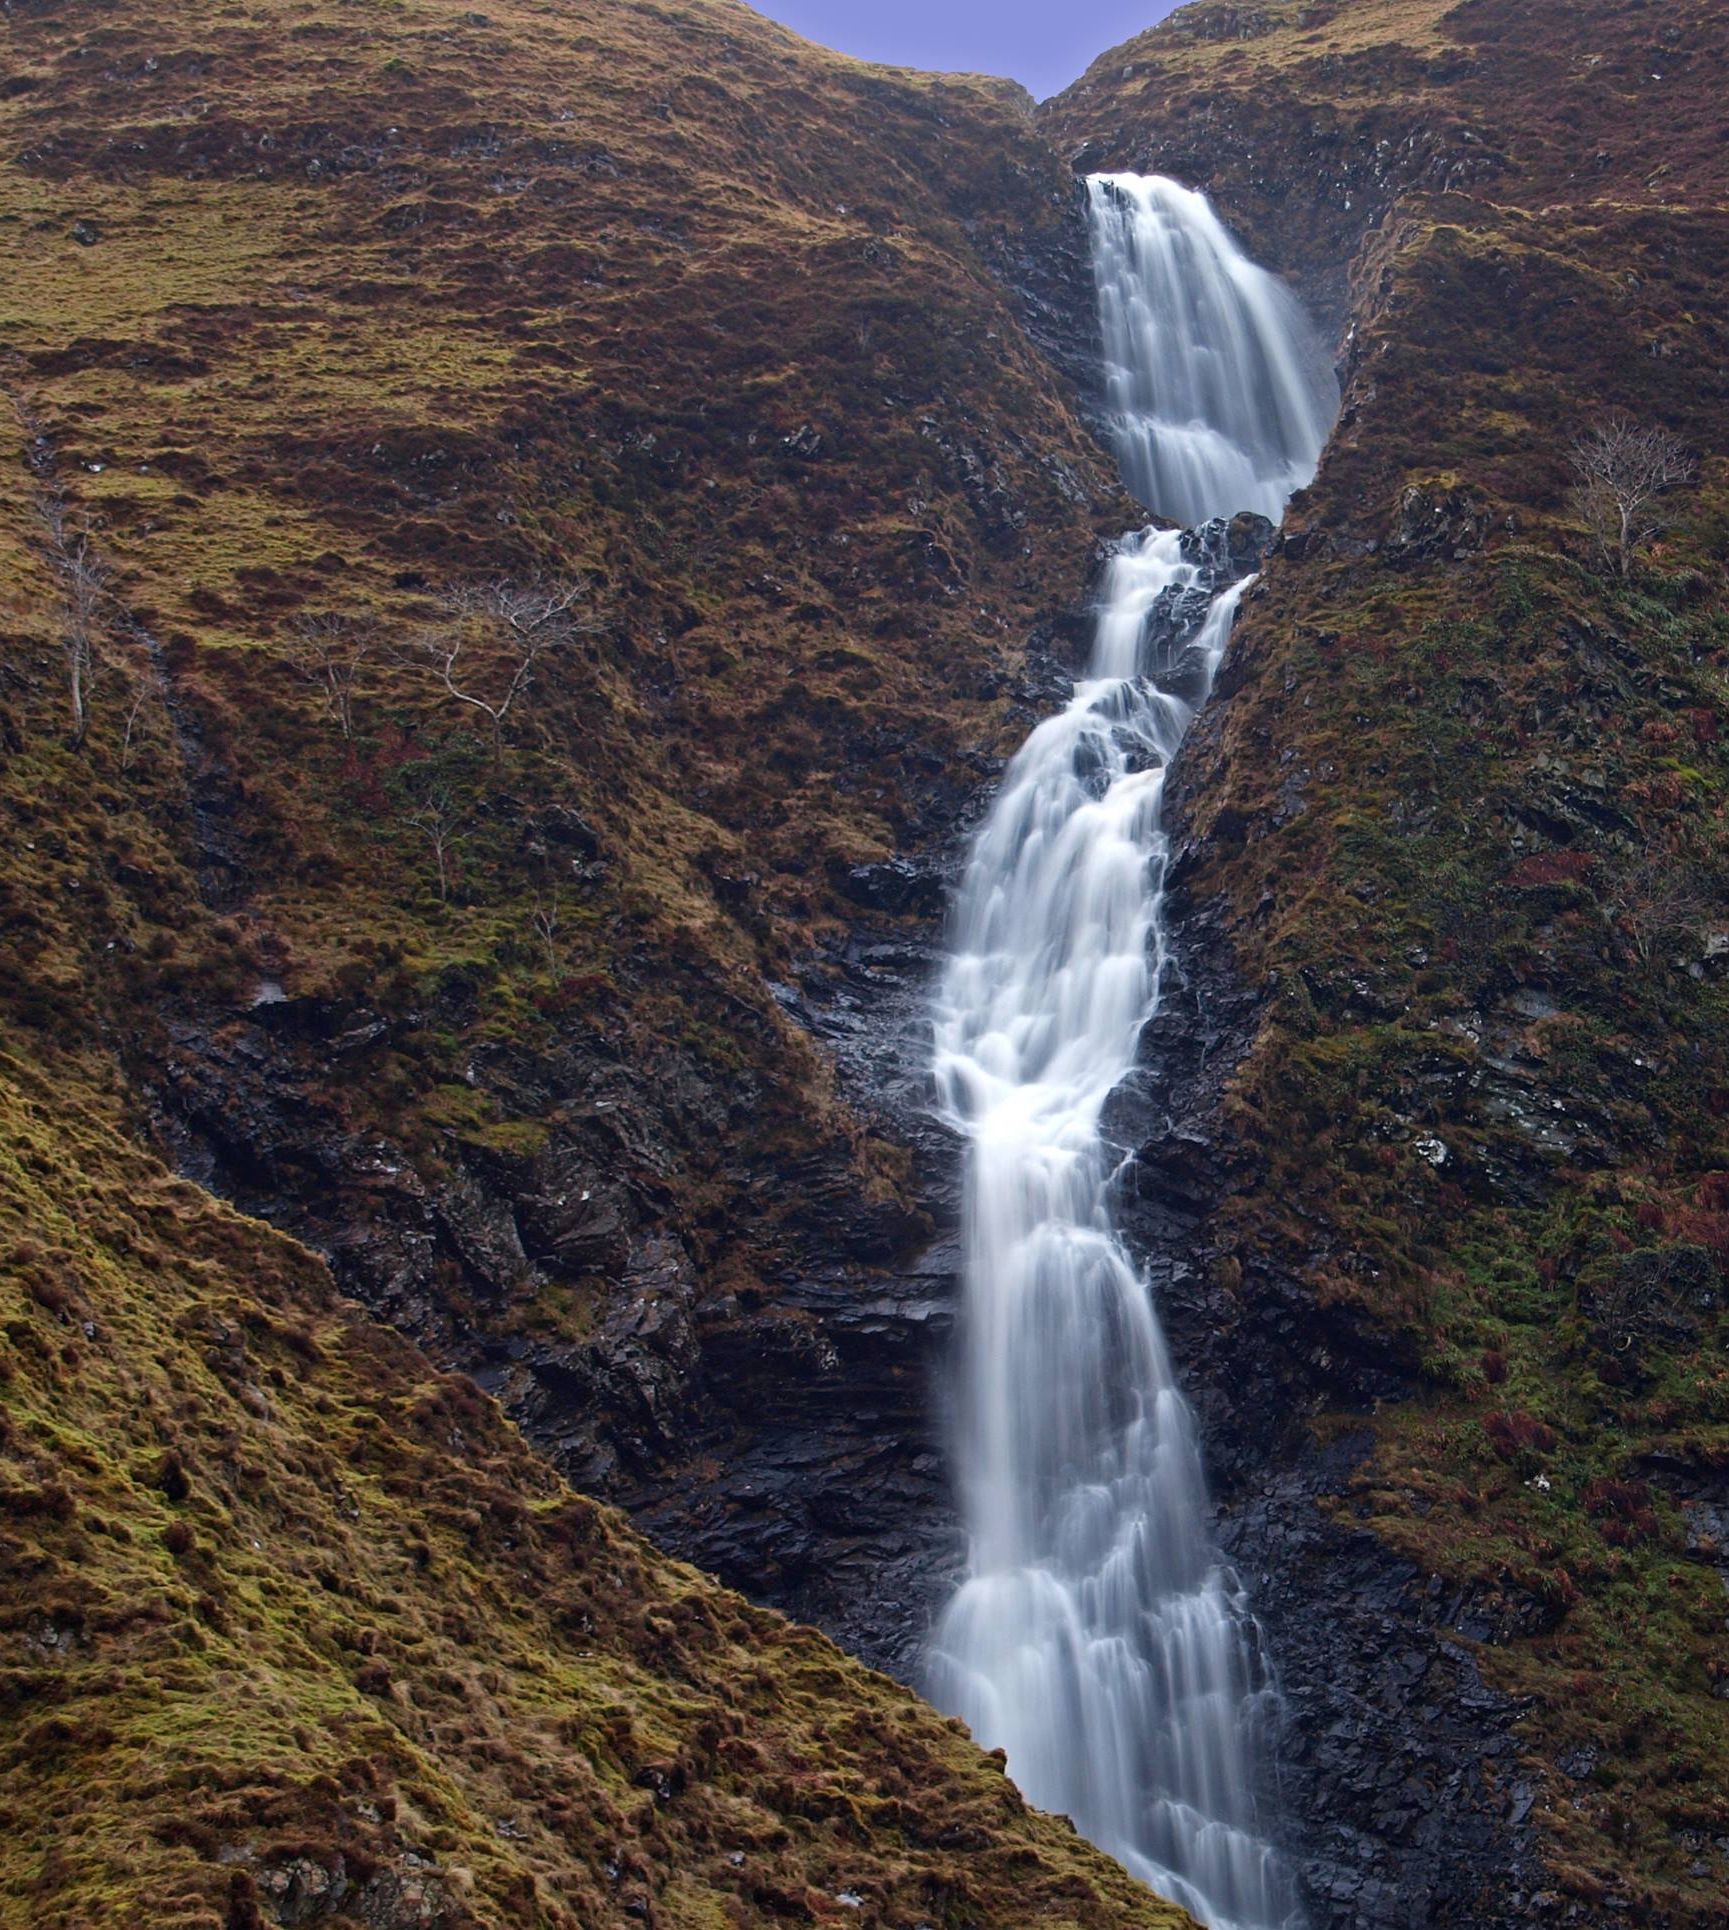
{"x":84,"y":580}
{"x":439,"y":818}
{"x":331,"y":651}
{"x":484,"y":650}
{"x":1657,"y":902}
{"x":436,"y":795}
{"x":548,"y":925}
{"x":139,"y":662}
{"x":140,"y":694}
{"x":1624,"y":470}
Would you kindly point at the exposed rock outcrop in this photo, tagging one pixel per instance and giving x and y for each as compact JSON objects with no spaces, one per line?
{"x":1427,"y":1073}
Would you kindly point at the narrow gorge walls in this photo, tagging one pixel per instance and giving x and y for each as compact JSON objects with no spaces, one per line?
{"x":1098,"y":1636}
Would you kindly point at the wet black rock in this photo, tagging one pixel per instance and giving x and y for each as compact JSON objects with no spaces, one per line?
{"x":1227,"y":549}
{"x":900,"y":886}
{"x":1398,"y":1777}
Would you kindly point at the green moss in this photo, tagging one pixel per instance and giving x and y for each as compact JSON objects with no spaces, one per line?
{"x":221,"y":1491}
{"x":284,"y":383}
{"x":1476,"y":792}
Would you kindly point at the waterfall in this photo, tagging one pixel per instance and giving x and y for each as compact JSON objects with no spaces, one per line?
{"x":1221,"y":395}
{"x":1098,"y":1637}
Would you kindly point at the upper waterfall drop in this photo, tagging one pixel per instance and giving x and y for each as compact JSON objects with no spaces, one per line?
{"x":1221,"y":396}
{"x":1098,"y":1636}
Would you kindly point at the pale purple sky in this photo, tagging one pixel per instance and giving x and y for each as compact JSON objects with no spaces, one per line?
{"x":1044,"y":44}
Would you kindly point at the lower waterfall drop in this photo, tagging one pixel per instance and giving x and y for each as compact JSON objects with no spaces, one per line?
{"x":1098,"y":1637}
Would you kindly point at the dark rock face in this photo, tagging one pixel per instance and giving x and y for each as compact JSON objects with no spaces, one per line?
{"x":1397,"y":1779}
{"x":1437,"y":522}
{"x":782,"y":1437}
{"x":825,"y":1488}
{"x":1052,"y":282}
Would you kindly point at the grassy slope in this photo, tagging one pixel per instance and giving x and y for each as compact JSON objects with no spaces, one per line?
{"x":1468,"y":804}
{"x":374,"y":298}
{"x":294,"y":1628}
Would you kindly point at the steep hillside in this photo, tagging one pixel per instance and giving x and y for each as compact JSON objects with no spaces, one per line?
{"x":691,"y":361}
{"x":653,"y":346}
{"x":526,"y":532}
{"x":294,"y":1629}
{"x":1449,"y":1089}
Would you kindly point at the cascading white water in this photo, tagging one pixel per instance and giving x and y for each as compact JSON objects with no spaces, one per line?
{"x":1098,"y":1638}
{"x":1222,"y":396}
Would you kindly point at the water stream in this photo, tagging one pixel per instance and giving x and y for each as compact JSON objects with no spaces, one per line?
{"x":1098,"y":1637}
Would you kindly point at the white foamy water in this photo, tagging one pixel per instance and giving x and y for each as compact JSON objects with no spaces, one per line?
{"x":1098,"y":1637}
{"x":1222,"y":396}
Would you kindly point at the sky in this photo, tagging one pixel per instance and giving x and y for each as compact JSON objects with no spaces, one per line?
{"x":1044,"y":44}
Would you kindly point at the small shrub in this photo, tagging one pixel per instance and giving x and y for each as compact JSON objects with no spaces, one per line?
{"x":1517,"y":1436}
{"x":1622,"y":1511}
{"x":1550,"y":868}
{"x":171,"y":1478}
